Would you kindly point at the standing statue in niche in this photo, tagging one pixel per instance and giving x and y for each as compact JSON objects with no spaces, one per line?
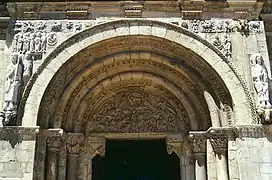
{"x":12,"y":88}
{"x":261,"y":85}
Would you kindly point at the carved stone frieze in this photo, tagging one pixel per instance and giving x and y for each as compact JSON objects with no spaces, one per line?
{"x":225,"y":26}
{"x":223,"y":43}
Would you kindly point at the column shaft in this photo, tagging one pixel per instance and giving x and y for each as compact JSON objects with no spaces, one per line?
{"x":222,"y":165}
{"x":72,"y":167}
{"x":200,"y":167}
{"x":52,"y":165}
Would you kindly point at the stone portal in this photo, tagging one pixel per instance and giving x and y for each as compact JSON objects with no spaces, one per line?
{"x":136,"y":160}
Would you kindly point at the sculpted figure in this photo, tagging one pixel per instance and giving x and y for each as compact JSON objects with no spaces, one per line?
{"x":37,"y":42}
{"x":260,"y":81}
{"x":28,"y":68}
{"x":56,"y":27}
{"x":217,"y":42}
{"x":26,"y":42}
{"x":227,"y":45}
{"x":12,"y":87}
{"x":20,"y":43}
{"x":43,"y":42}
{"x":32,"y":42}
{"x":15,"y":43}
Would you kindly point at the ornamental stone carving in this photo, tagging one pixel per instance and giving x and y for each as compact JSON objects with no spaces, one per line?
{"x":223,"y":43}
{"x":199,"y":142}
{"x":219,"y":143}
{"x":74,"y":143}
{"x":261,"y":84}
{"x":224,"y":26}
{"x":54,"y":143}
{"x":135,"y":112}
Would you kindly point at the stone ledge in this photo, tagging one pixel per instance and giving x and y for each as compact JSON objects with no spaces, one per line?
{"x":19,"y":130}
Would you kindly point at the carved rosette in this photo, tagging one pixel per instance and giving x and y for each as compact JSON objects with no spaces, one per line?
{"x":74,"y":143}
{"x":219,"y":143}
{"x":54,"y":143}
{"x":199,"y":143}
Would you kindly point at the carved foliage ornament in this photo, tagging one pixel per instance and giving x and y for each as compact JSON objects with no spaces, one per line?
{"x":135,"y":112}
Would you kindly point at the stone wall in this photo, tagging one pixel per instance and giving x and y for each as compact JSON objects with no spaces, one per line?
{"x":253,"y":151}
{"x":17,"y":147}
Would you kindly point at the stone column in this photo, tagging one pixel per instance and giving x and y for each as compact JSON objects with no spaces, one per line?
{"x":220,"y":147}
{"x":199,"y":145}
{"x":53,"y":147}
{"x":73,"y":145}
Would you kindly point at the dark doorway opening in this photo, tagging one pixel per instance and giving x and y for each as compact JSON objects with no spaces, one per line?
{"x":136,"y":160}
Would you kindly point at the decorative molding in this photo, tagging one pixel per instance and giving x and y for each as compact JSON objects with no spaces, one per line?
{"x":19,"y":130}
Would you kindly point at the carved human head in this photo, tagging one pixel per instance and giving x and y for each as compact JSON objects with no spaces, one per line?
{"x":14,"y":57}
{"x":28,"y":55}
{"x":259,"y":59}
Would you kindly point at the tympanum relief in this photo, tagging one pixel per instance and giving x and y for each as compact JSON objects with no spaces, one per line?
{"x":136,"y":112}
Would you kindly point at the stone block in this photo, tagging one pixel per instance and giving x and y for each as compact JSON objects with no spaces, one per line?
{"x":158,"y":31}
{"x":12,"y":169}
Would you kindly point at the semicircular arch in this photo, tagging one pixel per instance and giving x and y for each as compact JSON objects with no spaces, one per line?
{"x":223,"y":71}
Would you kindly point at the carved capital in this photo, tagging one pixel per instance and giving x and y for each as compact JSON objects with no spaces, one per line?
{"x":74,"y":143}
{"x":54,"y":143}
{"x":219,"y":143}
{"x":199,"y":142}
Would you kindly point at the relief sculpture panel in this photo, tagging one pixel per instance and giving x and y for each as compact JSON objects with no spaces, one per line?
{"x":136,"y":112}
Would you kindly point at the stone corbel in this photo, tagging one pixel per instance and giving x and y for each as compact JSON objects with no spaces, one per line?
{"x":97,"y":146}
{"x":174,"y":144}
